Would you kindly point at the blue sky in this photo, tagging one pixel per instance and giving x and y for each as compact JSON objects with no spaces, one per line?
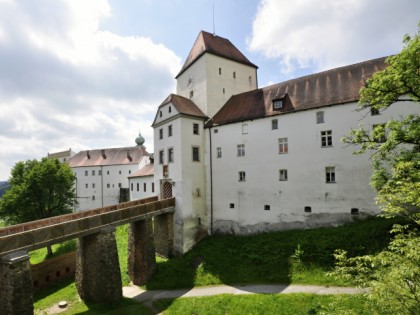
{"x":90,"y":74}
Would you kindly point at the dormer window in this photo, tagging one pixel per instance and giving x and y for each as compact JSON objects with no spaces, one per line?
{"x":277,"y":104}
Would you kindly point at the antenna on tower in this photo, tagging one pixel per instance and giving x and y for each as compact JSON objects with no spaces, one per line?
{"x":214,"y":29}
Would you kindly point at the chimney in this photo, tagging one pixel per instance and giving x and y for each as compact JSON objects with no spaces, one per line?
{"x":88,"y":154}
{"x":129,"y":156}
{"x":103,"y":154}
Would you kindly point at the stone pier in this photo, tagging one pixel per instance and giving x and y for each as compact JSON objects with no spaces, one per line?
{"x":98,"y":275}
{"x":164,"y":234}
{"x":141,"y":251}
{"x":16,"y":284}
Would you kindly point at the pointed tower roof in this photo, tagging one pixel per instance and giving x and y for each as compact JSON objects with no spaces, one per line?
{"x":216,"y":45}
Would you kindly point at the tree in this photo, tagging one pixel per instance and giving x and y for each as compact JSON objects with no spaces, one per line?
{"x":38,"y":190}
{"x":393,"y":275}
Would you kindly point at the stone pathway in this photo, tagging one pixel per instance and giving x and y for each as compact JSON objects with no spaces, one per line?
{"x":149,"y":297}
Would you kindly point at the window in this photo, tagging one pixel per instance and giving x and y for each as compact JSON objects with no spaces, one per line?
{"x":330,"y":174}
{"x":216,"y":130}
{"x":132,"y":186}
{"x":219,"y":152}
{"x":196,"y":154}
{"x":153,"y":187}
{"x":232,"y":205}
{"x":244,"y":129}
{"x":144,"y":187}
{"x":354,"y":211}
{"x":138,"y":186}
{"x":374,"y":111}
{"x":93,"y":197}
{"x":169,"y":109}
{"x":234,"y":74}
{"x":93,"y":172}
{"x":241,"y":176}
{"x":170,"y":155}
{"x":196,"y":129}
{"x":170,"y":131}
{"x":267,"y":207}
{"x":100,"y":172}
{"x":379,"y":133}
{"x":160,"y":113}
{"x":161,"y":157}
{"x":326,"y":138}
{"x":129,"y":171}
{"x":220,"y":71}
{"x":282,"y":175}
{"x":86,"y":185}
{"x":274,"y":124}
{"x":107,"y":172}
{"x":320,"y":117}
{"x":191,"y":93}
{"x":277,"y":104}
{"x":86,"y":173}
{"x":119,"y":172}
{"x":93,"y":185}
{"x":283,"y":146}
{"x":108,"y":185}
{"x":250,"y":80}
{"x":119,"y":185}
{"x":307,"y":209}
{"x":223,"y":90}
{"x":160,"y":133}
{"x":241,"y":149}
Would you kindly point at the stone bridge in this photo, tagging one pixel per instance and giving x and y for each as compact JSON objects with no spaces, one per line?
{"x":98,"y":277}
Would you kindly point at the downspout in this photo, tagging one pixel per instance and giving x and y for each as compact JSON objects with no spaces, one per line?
{"x":211,"y":184}
{"x":102,"y":185}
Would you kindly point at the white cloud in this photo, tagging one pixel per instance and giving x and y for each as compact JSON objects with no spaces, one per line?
{"x":65,"y":83}
{"x":329,"y":33}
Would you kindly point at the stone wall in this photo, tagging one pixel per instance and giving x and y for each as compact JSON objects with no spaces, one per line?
{"x":53,"y":270}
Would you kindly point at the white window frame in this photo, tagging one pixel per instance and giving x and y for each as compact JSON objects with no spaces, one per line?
{"x":330,"y":173}
{"x":283,"y":145}
{"x":283,"y":175}
{"x":274,"y":124}
{"x":196,"y":129}
{"x":277,"y":104}
{"x":320,"y":117}
{"x":244,"y":129}
{"x":195,"y":154}
{"x":170,"y":155}
{"x":240,"y":150}
{"x":241,"y":176}
{"x":326,"y":138}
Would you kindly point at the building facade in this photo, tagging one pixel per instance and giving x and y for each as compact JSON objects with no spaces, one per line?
{"x":102,"y":174}
{"x":241,"y":159}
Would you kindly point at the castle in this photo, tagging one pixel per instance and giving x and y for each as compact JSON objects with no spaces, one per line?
{"x":242,"y":159}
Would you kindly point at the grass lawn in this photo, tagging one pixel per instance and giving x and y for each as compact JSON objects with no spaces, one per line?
{"x":300,"y":256}
{"x":286,"y":304}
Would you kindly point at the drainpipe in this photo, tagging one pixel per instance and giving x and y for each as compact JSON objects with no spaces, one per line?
{"x":211,"y":184}
{"x":102,"y":185}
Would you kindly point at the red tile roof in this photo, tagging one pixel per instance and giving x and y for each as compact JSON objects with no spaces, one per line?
{"x":114,"y":156}
{"x":337,"y":86}
{"x":216,"y":45}
{"x":184,"y":106}
{"x":147,"y":170}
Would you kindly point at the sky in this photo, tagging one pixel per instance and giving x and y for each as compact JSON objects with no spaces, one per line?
{"x":90,"y":74}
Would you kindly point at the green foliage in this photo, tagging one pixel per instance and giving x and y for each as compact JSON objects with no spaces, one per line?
{"x":38,"y":190}
{"x":395,"y":146}
{"x":40,"y":255}
{"x":392,"y":275}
